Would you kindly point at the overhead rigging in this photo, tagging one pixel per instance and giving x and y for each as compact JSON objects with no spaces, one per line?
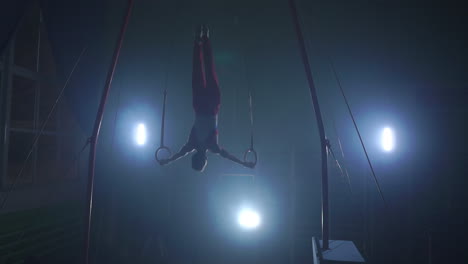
{"x":163,"y":117}
{"x":251,"y":150}
{"x":357,"y":131}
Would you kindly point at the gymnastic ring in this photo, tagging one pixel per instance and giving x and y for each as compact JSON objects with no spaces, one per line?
{"x":156,"y":154}
{"x":251,"y":150}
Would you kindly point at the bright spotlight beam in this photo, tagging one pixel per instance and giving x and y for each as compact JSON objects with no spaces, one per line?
{"x":140,"y":135}
{"x":388,"y":139}
{"x":248,"y":219}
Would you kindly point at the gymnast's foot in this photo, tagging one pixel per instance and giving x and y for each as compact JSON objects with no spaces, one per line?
{"x":206,"y":31}
{"x":199,"y":32}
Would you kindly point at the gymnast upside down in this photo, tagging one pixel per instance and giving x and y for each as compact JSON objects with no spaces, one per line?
{"x":206,"y":100}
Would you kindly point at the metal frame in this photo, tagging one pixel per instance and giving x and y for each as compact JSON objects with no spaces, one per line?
{"x":7,"y":77}
{"x":8,"y":70}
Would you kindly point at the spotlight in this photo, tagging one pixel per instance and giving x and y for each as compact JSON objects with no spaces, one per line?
{"x":248,"y":219}
{"x":140,"y":135}
{"x":388,"y":139}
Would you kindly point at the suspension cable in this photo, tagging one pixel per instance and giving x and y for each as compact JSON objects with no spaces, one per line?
{"x":162,"y":146}
{"x":251,"y":149}
{"x":344,"y":173}
{"x":338,"y":138}
{"x":251,"y":121}
{"x":163,"y":115}
{"x":343,"y":168}
{"x":41,"y":131}
{"x":357,"y":130}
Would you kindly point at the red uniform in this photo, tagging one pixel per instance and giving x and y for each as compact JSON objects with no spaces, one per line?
{"x":205,"y":88}
{"x":206,"y":97}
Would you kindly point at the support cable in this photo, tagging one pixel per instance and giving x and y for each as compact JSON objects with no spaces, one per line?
{"x":251,"y":149}
{"x":163,"y":119}
{"x":41,"y":131}
{"x":357,"y":130}
{"x":338,"y":138}
{"x":343,"y":172}
{"x":162,"y":146}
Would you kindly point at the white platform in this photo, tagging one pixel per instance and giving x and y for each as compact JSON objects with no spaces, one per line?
{"x":340,"y":251}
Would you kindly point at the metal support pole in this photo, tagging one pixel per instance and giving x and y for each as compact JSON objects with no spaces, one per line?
{"x":318,"y":115}
{"x":6,"y":90}
{"x":37,"y":98}
{"x":97,"y":127}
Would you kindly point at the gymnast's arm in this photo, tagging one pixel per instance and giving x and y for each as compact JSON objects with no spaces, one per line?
{"x":186,"y":149}
{"x":225,"y":154}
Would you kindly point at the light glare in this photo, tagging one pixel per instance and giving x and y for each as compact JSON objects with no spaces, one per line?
{"x":140,"y":136}
{"x":388,"y":139}
{"x":248,"y":219}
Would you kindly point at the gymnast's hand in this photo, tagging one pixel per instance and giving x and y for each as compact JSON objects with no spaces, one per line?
{"x":249,"y":164}
{"x":163,"y":162}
